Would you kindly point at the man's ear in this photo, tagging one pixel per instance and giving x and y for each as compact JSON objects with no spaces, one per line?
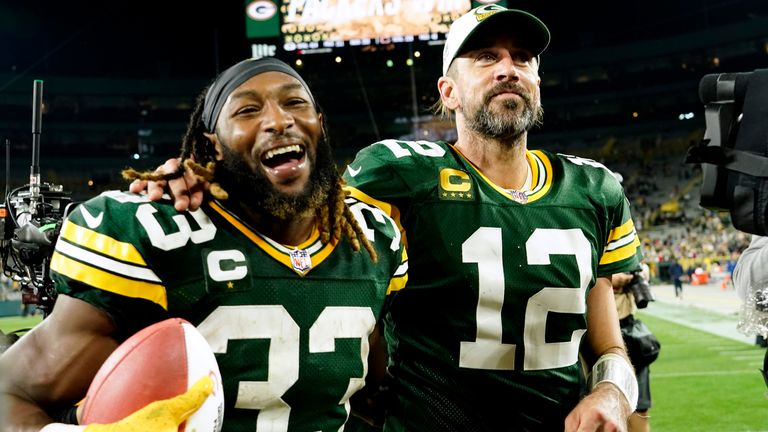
{"x":216,"y":144}
{"x":323,"y":132}
{"x":446,"y":87}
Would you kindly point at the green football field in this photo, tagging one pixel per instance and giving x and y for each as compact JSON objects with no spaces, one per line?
{"x":700,"y":382}
{"x":703,"y":382}
{"x":10,"y":324}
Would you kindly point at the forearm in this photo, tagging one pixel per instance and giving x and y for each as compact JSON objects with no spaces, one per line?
{"x":613,"y":386}
{"x":603,"y":332}
{"x":23,"y":415}
{"x":28,"y":394}
{"x":51,"y":367}
{"x":607,"y":406}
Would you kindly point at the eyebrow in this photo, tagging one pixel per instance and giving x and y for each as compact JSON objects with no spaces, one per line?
{"x":253,"y":94}
{"x":487,"y":41}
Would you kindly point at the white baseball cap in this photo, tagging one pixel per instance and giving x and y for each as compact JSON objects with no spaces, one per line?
{"x":529,"y":30}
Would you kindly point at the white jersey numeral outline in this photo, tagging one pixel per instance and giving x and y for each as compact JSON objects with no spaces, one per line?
{"x":484,"y":248}
{"x":273,"y":322}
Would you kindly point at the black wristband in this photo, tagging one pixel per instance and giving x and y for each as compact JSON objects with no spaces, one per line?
{"x":67,"y":416}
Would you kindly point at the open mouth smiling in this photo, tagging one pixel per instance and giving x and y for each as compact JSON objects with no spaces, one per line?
{"x":289,"y":157}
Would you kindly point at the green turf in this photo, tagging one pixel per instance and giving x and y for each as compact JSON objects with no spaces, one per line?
{"x":9,"y":324}
{"x":703,"y":382}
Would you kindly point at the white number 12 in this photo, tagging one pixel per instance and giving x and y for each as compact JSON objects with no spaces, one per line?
{"x":487,"y":351}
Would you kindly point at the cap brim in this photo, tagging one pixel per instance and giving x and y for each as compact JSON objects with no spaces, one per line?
{"x":527,"y":30}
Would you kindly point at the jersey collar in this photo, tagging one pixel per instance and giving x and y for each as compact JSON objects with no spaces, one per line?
{"x":301,"y":258}
{"x":541,"y":176}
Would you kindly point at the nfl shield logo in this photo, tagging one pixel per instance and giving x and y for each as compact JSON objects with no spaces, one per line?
{"x":518,"y":196}
{"x":301,"y":260}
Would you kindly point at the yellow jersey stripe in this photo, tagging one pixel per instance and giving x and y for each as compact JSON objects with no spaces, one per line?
{"x":106,"y":263}
{"x":103,"y":280}
{"x":101,"y":243}
{"x":535,"y":181}
{"x":617,"y":233}
{"x":621,"y":253}
{"x":548,"y":174}
{"x":400,"y":278}
{"x":397,"y":283}
{"x":391,"y":210}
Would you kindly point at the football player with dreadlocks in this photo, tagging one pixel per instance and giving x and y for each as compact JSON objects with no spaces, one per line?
{"x":511,"y":252}
{"x":277,"y":245}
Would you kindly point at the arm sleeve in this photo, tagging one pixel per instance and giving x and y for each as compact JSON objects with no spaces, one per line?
{"x":378,"y":173}
{"x":101,"y":261}
{"x":622,"y":250}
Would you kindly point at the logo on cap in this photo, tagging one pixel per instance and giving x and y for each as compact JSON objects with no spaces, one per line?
{"x":484,"y":12}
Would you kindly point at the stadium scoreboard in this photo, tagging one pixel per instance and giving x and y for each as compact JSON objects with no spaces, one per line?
{"x":322,"y":25}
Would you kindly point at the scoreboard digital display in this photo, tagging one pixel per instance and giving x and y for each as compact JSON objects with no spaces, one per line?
{"x":329,"y":23}
{"x":312,"y":24}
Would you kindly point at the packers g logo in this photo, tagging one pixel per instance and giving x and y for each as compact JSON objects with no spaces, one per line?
{"x":485,"y":11}
{"x":455,"y":185}
{"x":261,"y":10}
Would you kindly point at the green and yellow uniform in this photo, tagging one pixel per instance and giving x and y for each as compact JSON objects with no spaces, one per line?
{"x":486,"y":337}
{"x":289,"y":325}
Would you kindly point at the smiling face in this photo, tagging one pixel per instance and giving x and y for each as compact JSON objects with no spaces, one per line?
{"x":271,"y":123}
{"x":494,"y":85}
{"x":268,"y":140}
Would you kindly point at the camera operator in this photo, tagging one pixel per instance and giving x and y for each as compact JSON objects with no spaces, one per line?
{"x":626,"y":306}
{"x":750,"y":277}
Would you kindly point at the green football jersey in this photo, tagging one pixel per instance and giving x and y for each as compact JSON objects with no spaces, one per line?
{"x":289,"y":325}
{"x":486,"y":337}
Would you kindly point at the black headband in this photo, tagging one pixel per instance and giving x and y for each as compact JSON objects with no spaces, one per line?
{"x":231,"y":79}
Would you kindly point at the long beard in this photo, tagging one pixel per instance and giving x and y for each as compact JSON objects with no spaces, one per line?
{"x":506,"y":125}
{"x":253,"y":190}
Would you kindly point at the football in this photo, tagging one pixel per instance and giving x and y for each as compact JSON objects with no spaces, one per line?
{"x":159,"y":362}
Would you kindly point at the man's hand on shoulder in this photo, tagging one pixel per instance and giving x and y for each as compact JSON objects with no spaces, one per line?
{"x":186,"y":191}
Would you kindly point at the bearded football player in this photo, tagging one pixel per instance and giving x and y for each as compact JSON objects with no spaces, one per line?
{"x":284,"y":275}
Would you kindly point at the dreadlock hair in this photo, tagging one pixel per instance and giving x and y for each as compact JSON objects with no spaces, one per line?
{"x":335,"y":219}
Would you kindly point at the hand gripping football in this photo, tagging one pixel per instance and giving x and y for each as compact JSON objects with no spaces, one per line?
{"x":159,"y":362}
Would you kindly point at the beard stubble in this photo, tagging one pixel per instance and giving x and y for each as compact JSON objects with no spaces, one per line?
{"x":253,"y":189}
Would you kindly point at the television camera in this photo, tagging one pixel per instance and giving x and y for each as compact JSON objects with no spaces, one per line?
{"x":30,"y":219}
{"x":734,"y":152}
{"x":734,"y":161}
